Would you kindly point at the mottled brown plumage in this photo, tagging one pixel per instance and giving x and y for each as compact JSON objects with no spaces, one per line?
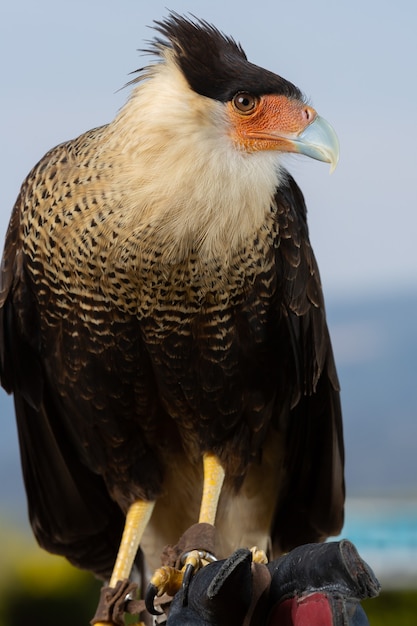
{"x":152,"y":311}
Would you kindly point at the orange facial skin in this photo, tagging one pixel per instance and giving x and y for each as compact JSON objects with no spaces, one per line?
{"x":269,"y":122}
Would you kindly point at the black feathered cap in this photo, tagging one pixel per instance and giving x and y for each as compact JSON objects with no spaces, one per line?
{"x":213,"y":64}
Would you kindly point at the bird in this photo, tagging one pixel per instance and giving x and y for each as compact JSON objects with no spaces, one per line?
{"x":162,"y":320}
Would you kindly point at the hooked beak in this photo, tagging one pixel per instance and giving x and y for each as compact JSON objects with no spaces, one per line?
{"x":285,"y":125}
{"x":318,"y":141}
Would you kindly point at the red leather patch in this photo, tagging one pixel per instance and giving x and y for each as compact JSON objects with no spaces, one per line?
{"x":311,"y":610}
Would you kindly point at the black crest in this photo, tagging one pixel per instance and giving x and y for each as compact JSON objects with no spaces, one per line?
{"x":214,"y":64}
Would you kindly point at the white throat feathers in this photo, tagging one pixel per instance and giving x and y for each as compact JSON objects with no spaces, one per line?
{"x":189,"y":187}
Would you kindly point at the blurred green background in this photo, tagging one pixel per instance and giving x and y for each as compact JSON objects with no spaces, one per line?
{"x":39,"y":589}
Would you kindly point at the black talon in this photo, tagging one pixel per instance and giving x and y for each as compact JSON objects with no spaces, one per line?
{"x":150,"y":595}
{"x":186,"y":579}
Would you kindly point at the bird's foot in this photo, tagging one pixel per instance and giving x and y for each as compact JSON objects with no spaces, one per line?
{"x":169,"y":580}
{"x":258,"y":556}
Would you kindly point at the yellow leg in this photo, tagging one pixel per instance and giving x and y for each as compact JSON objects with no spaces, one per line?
{"x":213,"y":482}
{"x":137,"y":519}
{"x":168,"y":579}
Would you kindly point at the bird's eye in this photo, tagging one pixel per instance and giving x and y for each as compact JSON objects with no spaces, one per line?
{"x":245,"y":103}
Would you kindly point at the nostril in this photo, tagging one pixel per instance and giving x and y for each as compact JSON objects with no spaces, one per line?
{"x":309,"y":114}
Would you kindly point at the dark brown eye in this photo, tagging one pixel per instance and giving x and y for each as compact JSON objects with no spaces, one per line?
{"x":245,"y":102}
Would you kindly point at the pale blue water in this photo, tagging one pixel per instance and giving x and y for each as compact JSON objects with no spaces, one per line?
{"x":384,"y":530}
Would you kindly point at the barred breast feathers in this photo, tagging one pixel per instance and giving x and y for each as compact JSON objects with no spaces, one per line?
{"x":144,"y":201}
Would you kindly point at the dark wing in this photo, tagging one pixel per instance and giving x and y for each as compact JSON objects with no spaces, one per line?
{"x":312,"y":503}
{"x":69,"y":508}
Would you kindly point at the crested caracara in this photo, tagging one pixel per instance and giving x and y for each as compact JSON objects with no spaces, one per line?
{"x":161,"y":311}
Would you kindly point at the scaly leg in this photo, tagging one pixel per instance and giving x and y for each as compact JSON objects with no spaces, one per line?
{"x":212,"y":486}
{"x":137,"y":519}
{"x":168,"y":579}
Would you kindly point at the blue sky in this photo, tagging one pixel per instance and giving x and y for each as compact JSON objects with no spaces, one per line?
{"x":62,"y":64}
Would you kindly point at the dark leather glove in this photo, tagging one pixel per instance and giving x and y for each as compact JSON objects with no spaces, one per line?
{"x":313,"y":585}
{"x":320,"y":585}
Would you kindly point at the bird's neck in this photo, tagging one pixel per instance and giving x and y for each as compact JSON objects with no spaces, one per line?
{"x":187,"y":188}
